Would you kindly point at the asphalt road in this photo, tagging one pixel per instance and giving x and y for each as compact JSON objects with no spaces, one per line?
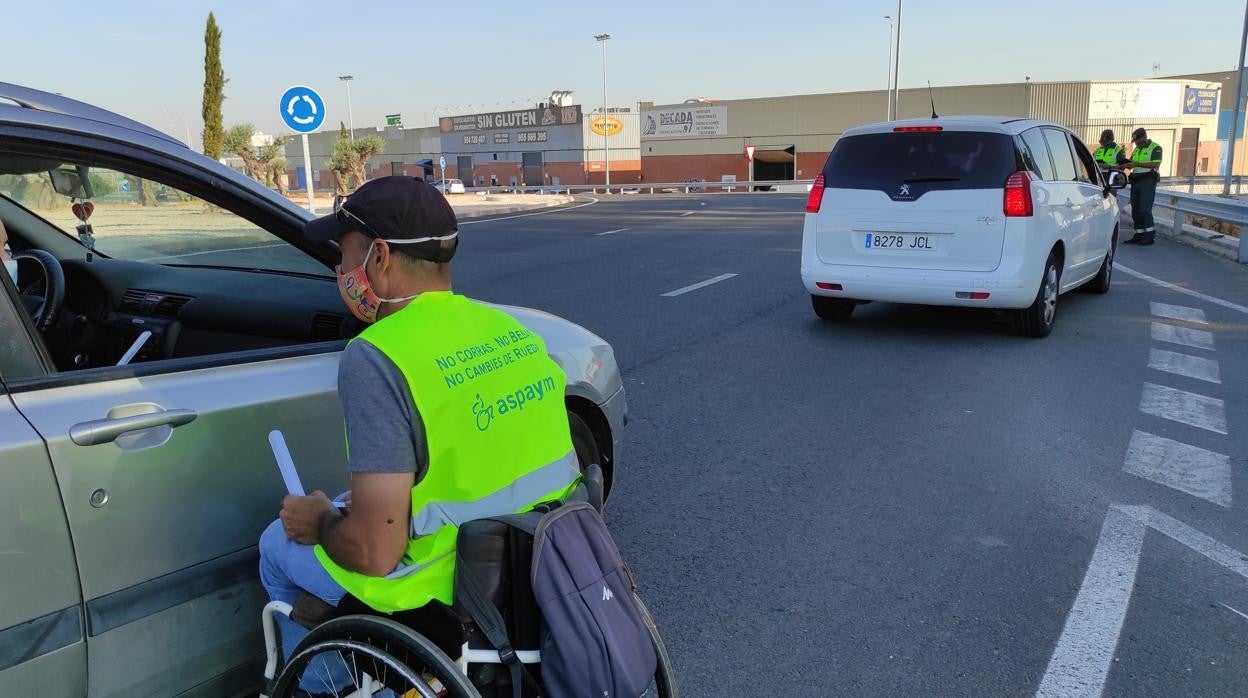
{"x":908,"y":503}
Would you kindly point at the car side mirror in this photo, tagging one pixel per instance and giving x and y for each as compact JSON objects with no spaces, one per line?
{"x":1115,"y":179}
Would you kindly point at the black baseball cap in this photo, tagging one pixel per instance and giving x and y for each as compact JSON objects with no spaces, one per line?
{"x":393,"y":208}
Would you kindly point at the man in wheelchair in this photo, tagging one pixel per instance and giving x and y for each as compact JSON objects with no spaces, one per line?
{"x":454,"y":412}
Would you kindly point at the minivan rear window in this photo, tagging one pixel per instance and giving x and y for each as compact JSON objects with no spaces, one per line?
{"x":936,"y":160}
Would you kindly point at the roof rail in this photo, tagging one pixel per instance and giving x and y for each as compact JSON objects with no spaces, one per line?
{"x":46,"y":101}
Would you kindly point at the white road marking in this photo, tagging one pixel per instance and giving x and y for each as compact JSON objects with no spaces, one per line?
{"x":687,"y":213}
{"x":611,"y":232}
{"x":1179,"y":289}
{"x":1184,"y":407}
{"x":1183,"y":467}
{"x":1179,"y":312}
{"x":1081,"y":660}
{"x":700,"y":284}
{"x":224,"y":249}
{"x":1236,"y":611}
{"x":553,"y":209}
{"x":1196,"y":367}
{"x":1200,"y":339}
{"x":1085,"y":650}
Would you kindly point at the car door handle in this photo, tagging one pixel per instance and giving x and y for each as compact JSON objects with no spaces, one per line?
{"x":102,"y":431}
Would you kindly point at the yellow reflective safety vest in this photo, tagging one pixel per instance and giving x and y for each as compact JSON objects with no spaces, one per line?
{"x":1145,"y":153}
{"x":492,"y":403}
{"x":1107,"y":156}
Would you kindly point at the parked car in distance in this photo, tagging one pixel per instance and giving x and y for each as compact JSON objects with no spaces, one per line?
{"x":449,"y":186}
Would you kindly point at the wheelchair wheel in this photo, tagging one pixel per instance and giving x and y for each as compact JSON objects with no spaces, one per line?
{"x":664,"y":675}
{"x":346,"y":667}
{"x":406,"y":646}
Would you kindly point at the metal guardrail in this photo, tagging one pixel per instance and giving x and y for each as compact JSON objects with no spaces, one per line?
{"x":790,"y":185}
{"x":1204,"y":184}
{"x":1171,"y":197}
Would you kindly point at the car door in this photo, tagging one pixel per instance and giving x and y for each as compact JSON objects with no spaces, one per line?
{"x":1070,"y":200}
{"x":42,"y":650}
{"x":1051,"y":217}
{"x":164,"y":469}
{"x":1102,"y":210}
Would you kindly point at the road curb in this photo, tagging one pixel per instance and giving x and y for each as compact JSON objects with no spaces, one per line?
{"x":468,"y":212}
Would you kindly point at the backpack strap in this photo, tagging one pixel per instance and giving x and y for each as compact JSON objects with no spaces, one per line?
{"x":470,"y":596}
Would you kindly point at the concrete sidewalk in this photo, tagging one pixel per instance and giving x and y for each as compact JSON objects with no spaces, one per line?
{"x":466,"y":205}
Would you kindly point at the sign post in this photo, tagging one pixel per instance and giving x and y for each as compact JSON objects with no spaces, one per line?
{"x":749,"y":155}
{"x":303,"y":111}
{"x":442,"y":168}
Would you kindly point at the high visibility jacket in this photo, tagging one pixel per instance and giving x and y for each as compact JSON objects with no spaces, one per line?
{"x":492,"y":403}
{"x":1108,"y":155}
{"x":1145,"y":153}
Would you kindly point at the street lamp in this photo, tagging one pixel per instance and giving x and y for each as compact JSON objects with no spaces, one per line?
{"x":896,"y":60}
{"x":350,"y":116}
{"x":888,"y":77}
{"x":606,"y":148}
{"x":184,"y":126}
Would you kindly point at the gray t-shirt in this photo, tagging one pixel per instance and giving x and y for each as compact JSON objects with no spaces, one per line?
{"x":384,"y":430}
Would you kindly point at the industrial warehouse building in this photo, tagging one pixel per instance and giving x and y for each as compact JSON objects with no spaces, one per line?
{"x":548,"y":145}
{"x":793,"y":135}
{"x":560,"y":144}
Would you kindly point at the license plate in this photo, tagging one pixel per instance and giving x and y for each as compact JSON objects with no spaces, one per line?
{"x":901,"y":241}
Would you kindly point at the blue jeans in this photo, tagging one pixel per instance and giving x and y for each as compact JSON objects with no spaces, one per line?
{"x":285,"y":568}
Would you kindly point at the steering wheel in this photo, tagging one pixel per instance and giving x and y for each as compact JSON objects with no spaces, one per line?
{"x":46,"y":308}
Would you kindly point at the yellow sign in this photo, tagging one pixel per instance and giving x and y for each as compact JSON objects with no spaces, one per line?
{"x":606,"y":125}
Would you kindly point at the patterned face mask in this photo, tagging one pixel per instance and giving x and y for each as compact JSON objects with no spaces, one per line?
{"x":357,"y":291}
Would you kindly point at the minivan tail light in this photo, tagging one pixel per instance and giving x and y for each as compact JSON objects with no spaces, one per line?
{"x":917,"y":129}
{"x":815,"y":200}
{"x":1018,"y":194}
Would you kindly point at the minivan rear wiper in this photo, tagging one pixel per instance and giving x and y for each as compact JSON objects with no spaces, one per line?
{"x":916,"y":180}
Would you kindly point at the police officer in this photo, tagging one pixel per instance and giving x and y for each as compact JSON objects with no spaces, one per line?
{"x":453,"y":409}
{"x":1110,"y":155}
{"x":1144,"y":164}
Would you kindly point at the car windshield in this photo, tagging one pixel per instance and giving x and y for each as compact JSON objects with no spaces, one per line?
{"x":941,"y":159}
{"x":123,"y":216}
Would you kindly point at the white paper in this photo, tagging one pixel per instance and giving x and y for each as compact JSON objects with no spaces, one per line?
{"x":285,"y":463}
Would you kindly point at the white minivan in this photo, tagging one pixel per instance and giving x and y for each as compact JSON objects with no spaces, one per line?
{"x":991,"y":212}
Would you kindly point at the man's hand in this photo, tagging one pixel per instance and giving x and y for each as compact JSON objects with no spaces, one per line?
{"x":302,"y":515}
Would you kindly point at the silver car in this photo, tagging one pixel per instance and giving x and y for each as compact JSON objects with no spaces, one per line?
{"x":167,"y":315}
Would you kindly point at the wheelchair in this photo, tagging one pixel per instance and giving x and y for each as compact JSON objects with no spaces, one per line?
{"x":435,"y":651}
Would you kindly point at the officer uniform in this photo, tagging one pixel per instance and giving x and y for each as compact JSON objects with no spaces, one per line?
{"x":1143,"y":188}
{"x":1110,"y":155}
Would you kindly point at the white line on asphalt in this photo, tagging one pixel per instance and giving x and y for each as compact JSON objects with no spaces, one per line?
{"x":1179,"y":289}
{"x":612,"y":232}
{"x":1236,"y":611}
{"x":687,"y":213}
{"x":1196,"y":367}
{"x":1180,"y":466}
{"x":1085,"y":650}
{"x":1186,"y":408}
{"x":1199,"y":339}
{"x":1081,"y":660}
{"x":700,"y":284}
{"x":1179,"y":312}
{"x":224,"y":249}
{"x":592,"y":201}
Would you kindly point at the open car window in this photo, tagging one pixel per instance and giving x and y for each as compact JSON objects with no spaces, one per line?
{"x":123,"y":216}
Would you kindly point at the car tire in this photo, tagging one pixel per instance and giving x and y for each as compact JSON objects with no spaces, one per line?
{"x":833,"y":309}
{"x":1100,"y":282}
{"x":1037,"y":319}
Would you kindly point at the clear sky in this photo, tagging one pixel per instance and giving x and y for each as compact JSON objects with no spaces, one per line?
{"x":421,"y":58}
